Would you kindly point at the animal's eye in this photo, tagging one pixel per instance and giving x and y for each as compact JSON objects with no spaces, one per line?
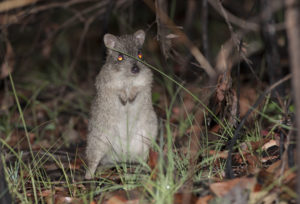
{"x":120,"y":57}
{"x":140,"y":54}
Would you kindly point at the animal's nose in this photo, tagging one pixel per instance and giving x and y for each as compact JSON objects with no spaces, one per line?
{"x":135,"y":69}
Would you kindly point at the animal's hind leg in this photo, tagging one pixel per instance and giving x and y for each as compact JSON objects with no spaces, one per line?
{"x":94,"y":154}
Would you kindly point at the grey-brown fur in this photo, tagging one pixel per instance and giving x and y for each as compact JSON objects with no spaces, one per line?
{"x":123,"y":123}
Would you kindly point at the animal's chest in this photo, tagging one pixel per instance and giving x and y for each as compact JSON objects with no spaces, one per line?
{"x":130,"y":130}
{"x":130,"y":120}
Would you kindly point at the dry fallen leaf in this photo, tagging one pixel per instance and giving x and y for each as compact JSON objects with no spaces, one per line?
{"x":67,"y":200}
{"x":45,"y":193}
{"x":219,"y":154}
{"x":274,"y":167}
{"x":153,"y":160}
{"x":120,"y":200}
{"x":180,"y":198}
{"x":123,"y":197}
{"x":76,"y":164}
{"x":270,"y":144}
{"x":222,"y":188}
{"x":204,"y":200}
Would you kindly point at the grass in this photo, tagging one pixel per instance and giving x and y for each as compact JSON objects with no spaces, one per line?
{"x":31,"y":181}
{"x":160,"y":190}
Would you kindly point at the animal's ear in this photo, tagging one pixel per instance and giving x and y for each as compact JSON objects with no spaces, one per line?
{"x":110,"y":40}
{"x":140,"y":36}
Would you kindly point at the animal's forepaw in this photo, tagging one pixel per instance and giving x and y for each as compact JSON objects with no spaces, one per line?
{"x":123,"y":97}
{"x":133,"y":94}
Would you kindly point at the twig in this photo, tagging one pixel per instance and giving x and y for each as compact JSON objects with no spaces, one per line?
{"x":238,"y":90}
{"x":162,"y":29}
{"x":189,"y":15}
{"x":52,"y":5}
{"x":15,"y":18}
{"x":270,"y":41}
{"x":14,"y":4}
{"x":229,"y":171}
{"x":250,"y":25}
{"x":100,"y":7}
{"x":204,"y":26}
{"x":229,"y":45}
{"x":235,"y":41}
{"x":226,"y":56}
{"x":82,"y":37}
{"x":186,"y":41}
{"x":234,"y":19}
{"x":234,"y":36}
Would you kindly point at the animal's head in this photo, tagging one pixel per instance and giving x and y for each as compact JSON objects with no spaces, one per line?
{"x":123,"y":65}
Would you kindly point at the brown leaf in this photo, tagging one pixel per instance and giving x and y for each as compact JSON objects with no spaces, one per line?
{"x":123,"y":197}
{"x":253,"y":162}
{"x":219,"y":154}
{"x":268,"y":158}
{"x":181,"y":198}
{"x":216,"y":128}
{"x":265,"y":178}
{"x":274,"y":167}
{"x":204,"y":200}
{"x":67,"y":200}
{"x":45,"y":193}
{"x":153,"y":158}
{"x":120,"y":200}
{"x":258,"y":144}
{"x":222,"y":188}
{"x":76,"y":164}
{"x":270,"y":144}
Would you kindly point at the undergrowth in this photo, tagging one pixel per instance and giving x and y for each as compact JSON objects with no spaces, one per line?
{"x":31,"y":182}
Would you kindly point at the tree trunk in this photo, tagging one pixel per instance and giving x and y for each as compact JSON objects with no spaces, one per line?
{"x":292,"y":19}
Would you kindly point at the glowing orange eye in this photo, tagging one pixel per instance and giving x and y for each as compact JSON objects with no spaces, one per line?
{"x":120,"y":57}
{"x":140,"y":55}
